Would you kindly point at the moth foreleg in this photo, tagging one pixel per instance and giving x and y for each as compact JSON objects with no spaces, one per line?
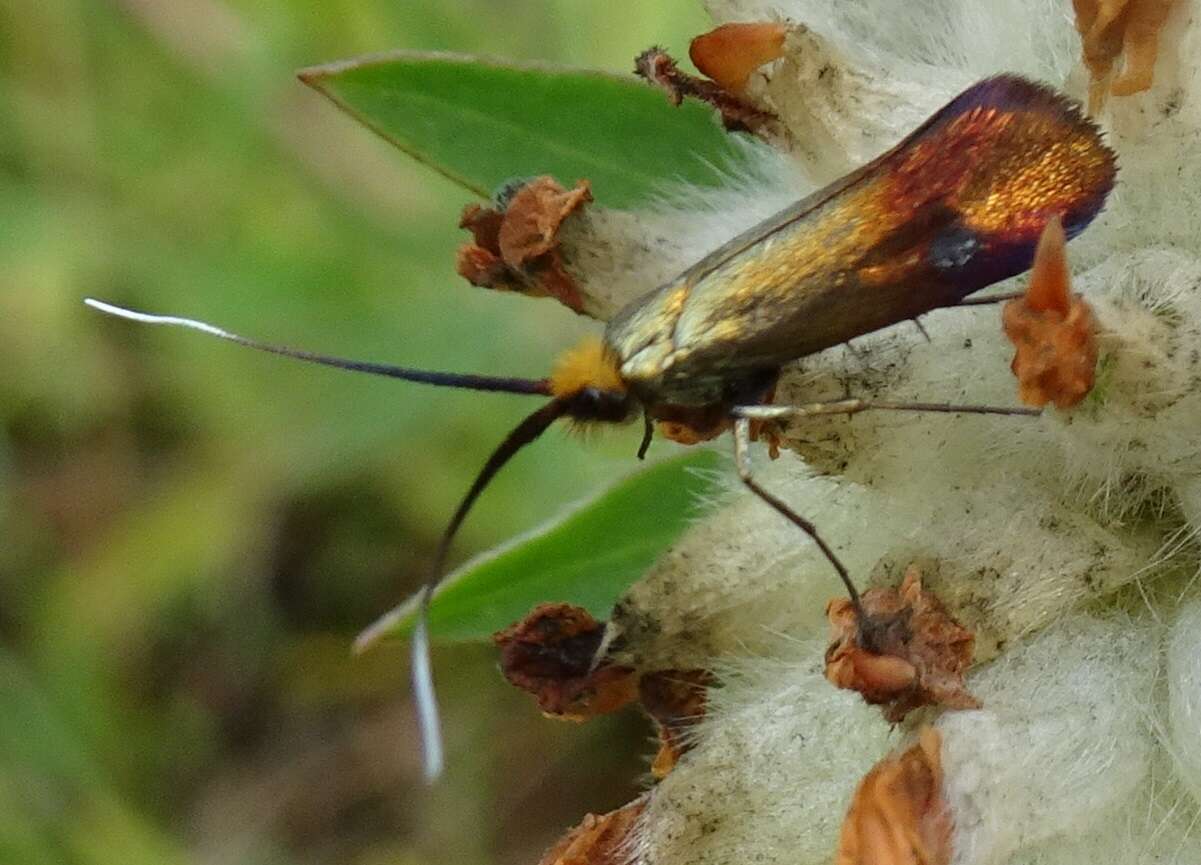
{"x":854,"y":406}
{"x":742,"y":460}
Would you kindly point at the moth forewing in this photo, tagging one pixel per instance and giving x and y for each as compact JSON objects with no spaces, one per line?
{"x":957,"y":205}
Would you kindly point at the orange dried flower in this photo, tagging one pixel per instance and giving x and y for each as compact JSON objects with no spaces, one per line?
{"x":1052,"y":329}
{"x":898,"y":815}
{"x":1128,"y":29}
{"x":599,"y":839}
{"x":516,"y":248}
{"x":770,"y":433}
{"x":921,"y":652}
{"x":731,"y":52}
{"x":551,"y":654}
{"x":676,"y":700}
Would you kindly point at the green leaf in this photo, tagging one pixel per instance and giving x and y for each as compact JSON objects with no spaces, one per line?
{"x":587,"y":557}
{"x":483,"y":122}
{"x":56,"y":804}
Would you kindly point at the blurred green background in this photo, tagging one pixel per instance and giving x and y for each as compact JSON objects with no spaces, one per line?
{"x":190,"y":535}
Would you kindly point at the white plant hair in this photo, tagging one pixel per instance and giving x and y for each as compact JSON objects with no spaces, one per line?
{"x":1066,"y":542}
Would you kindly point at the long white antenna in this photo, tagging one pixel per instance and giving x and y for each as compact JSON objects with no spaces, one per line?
{"x":147,"y":318}
{"x":424,"y":697}
{"x":423,"y":679}
{"x":526,"y":432}
{"x":495,"y":384}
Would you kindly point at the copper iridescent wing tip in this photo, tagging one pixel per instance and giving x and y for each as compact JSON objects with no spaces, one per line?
{"x":1003,"y":157}
{"x":1027,"y":152}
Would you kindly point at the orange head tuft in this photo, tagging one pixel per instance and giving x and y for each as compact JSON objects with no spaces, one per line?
{"x":588,"y":365}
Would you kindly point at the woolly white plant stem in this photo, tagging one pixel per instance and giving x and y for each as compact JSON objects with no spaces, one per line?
{"x":767,"y":780}
{"x":1086,"y":749}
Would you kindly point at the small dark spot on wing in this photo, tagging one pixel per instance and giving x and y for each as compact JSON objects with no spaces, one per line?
{"x":953,"y":248}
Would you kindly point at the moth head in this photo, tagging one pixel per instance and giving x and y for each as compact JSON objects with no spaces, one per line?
{"x":588,"y":378}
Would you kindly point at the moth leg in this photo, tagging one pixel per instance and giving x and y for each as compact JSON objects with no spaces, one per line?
{"x":921,"y":328}
{"x":648,"y":433}
{"x":742,"y":460}
{"x":992,"y":298}
{"x":854,"y":406}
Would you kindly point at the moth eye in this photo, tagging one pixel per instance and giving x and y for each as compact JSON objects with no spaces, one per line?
{"x":953,"y":248}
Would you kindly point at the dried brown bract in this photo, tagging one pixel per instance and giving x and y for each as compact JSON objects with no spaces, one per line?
{"x":1128,"y":29}
{"x":676,"y":700}
{"x":898,"y":815}
{"x":731,"y":52}
{"x":920,"y":654}
{"x":658,"y":67}
{"x":515,"y":244}
{"x":599,"y":839}
{"x":1052,"y":329}
{"x":550,"y":654}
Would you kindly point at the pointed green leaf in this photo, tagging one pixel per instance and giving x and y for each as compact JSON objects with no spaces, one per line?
{"x":483,"y":122}
{"x":587,"y":557}
{"x":75,"y":814}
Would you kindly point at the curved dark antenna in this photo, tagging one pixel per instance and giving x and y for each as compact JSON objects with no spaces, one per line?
{"x":423,"y":682}
{"x":524,"y":433}
{"x":536,"y":387}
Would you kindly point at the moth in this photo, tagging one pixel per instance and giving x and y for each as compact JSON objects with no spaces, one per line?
{"x":958,"y":205}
